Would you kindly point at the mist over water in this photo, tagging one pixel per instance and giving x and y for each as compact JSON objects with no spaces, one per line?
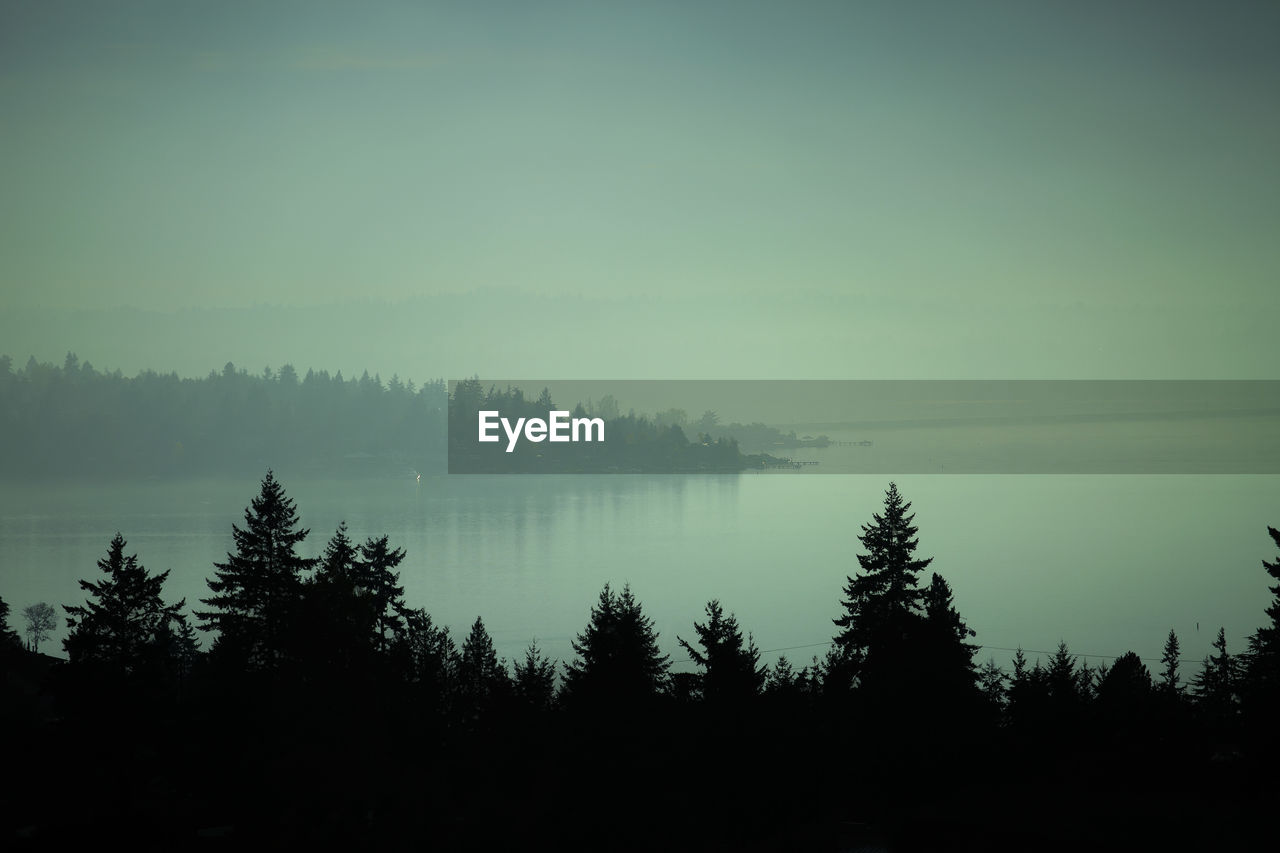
{"x":1108,"y":563}
{"x":262,"y":236}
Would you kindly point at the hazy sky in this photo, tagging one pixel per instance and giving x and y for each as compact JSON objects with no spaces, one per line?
{"x":1008,"y":163}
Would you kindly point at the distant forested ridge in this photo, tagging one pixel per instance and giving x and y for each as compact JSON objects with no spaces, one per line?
{"x":754,"y":436}
{"x":75,"y":420}
{"x":760,"y":436}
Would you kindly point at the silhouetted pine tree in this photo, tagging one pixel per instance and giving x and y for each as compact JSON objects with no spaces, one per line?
{"x":1125,"y":692}
{"x":10,"y":640}
{"x":1087,"y":678}
{"x":1170,"y":684}
{"x":946,"y":655}
{"x":184,"y":647}
{"x":256,"y":592}
{"x":480,"y":674}
{"x":124,"y":626}
{"x":783,"y":679}
{"x":334,"y":625}
{"x":1063,"y":685}
{"x":882,"y":602}
{"x":375,"y":578}
{"x":618,"y":659}
{"x":790,"y":685}
{"x":991,"y":683}
{"x":535,"y":679}
{"x":427,"y":659}
{"x":731,"y":670}
{"x":1217,"y":686}
{"x":1262,"y":660}
{"x":1028,"y":696}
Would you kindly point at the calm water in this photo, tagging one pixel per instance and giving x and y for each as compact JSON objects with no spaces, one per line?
{"x":1108,"y":563}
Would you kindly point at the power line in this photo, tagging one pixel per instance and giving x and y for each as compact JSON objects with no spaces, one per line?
{"x":981,"y":646}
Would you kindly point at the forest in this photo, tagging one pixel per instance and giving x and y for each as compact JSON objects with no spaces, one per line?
{"x":306,"y":701}
{"x":71,"y":420}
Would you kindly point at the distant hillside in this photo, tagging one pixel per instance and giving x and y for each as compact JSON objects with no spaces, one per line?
{"x":75,"y":420}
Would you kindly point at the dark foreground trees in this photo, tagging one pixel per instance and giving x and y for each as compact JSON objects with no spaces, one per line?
{"x":882,"y":602}
{"x":900,"y":647}
{"x":406,"y":737}
{"x":731,"y":670}
{"x":1262,"y":693}
{"x":534,"y":681}
{"x":1125,"y":693}
{"x":124,"y":627}
{"x":481,"y":676}
{"x":946,"y":655}
{"x":257,"y":590}
{"x":9,"y":639}
{"x":618,"y":659}
{"x":1216,"y":687}
{"x":353,"y":605}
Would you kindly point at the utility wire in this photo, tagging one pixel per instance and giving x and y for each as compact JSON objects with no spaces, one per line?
{"x":991,"y":648}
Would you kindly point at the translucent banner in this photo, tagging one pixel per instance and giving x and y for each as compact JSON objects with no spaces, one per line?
{"x":864,"y":426}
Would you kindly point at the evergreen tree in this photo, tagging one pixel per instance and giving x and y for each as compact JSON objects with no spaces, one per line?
{"x":535,"y":678}
{"x":883,"y":603}
{"x":333,"y":628}
{"x":991,"y":682}
{"x":1262,"y":684}
{"x":618,"y":659}
{"x":184,"y":646}
{"x":9,"y":638}
{"x":1062,"y":680}
{"x":338,"y":560}
{"x":783,"y":679}
{"x":353,"y":606}
{"x":1019,"y":667}
{"x":375,"y":579}
{"x":256,"y":592}
{"x":789,"y":683}
{"x":1028,"y":693}
{"x":428,"y":658}
{"x":946,"y":663}
{"x":480,"y":674}
{"x":731,"y":671}
{"x":124,"y":625}
{"x":1124,"y":694}
{"x":1170,"y":684}
{"x":1087,"y":679}
{"x":1216,"y":687}
{"x":1099,"y":675}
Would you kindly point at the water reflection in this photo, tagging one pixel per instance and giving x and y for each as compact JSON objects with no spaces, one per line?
{"x":1108,"y":563}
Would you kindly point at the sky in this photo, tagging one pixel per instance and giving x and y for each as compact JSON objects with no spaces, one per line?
{"x":1065,"y":190}
{"x":646,"y":190}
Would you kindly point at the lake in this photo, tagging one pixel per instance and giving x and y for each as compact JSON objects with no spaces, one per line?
{"x":1107,"y":562}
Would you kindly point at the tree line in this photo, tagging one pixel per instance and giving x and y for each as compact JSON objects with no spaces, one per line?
{"x":326,"y":651}
{"x":74,"y":420}
{"x":71,"y":419}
